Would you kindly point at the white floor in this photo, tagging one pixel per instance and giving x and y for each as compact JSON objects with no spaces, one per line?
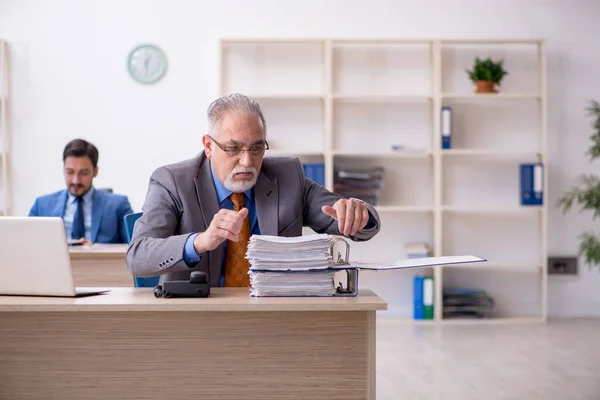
{"x":559,"y":360}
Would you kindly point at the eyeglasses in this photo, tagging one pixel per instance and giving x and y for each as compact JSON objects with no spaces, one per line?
{"x":255,"y":150}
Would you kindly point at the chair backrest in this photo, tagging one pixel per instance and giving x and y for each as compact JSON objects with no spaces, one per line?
{"x":130,"y":220}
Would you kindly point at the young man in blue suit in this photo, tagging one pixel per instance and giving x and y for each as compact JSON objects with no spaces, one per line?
{"x":90,"y":215}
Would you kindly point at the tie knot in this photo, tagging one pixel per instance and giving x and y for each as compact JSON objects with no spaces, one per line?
{"x":238,"y":200}
{"x":79,"y":199}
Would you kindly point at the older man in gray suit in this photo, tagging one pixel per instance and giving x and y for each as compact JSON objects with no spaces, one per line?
{"x":199,"y":213}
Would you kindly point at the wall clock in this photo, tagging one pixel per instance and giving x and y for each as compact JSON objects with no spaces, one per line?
{"x":147,"y":63}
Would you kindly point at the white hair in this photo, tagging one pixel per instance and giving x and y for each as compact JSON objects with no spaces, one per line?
{"x":237,"y":103}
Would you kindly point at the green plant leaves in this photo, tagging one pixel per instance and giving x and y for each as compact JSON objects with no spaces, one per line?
{"x":589,"y":248}
{"x":587,"y":193}
{"x":593,"y":110}
{"x":487,"y":70}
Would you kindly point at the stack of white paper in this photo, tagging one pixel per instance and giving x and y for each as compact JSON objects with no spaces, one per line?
{"x":300,"y":253}
{"x":311,"y":283}
{"x":290,"y":266}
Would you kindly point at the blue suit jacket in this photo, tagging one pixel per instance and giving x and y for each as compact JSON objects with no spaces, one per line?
{"x":108,"y":210}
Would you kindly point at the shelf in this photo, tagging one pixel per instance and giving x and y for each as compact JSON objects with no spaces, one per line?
{"x":491,"y":96}
{"x":404,"y":320}
{"x":492,"y":41}
{"x":284,"y":96}
{"x":490,"y":209}
{"x":461,"y":321}
{"x":491,"y":320}
{"x":250,"y":41}
{"x":291,"y":153}
{"x":383,"y":154}
{"x":404,"y":209}
{"x":377,"y":42}
{"x":532,"y":266}
{"x":383,"y":98}
{"x":491,"y":152}
{"x":5,"y":155}
{"x":361,"y":102}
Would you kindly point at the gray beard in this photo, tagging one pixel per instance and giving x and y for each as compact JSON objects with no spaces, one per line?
{"x":240,"y":186}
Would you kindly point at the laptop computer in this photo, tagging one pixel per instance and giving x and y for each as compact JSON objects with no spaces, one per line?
{"x":35,"y":258}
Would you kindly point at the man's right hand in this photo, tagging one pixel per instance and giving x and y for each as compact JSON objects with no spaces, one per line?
{"x":225,"y":225}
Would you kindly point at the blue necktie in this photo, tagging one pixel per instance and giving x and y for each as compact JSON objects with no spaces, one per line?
{"x":78,"y":225}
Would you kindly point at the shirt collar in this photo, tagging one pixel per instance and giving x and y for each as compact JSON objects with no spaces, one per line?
{"x":86,"y":197}
{"x":223,"y":193}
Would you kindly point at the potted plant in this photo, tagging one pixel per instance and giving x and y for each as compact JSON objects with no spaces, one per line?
{"x":486,"y":74}
{"x":587,"y":193}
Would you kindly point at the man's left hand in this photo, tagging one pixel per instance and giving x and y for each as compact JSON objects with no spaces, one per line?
{"x":351,"y":215}
{"x":85,"y":242}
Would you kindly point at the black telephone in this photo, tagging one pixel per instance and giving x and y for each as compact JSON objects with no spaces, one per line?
{"x":197,"y":286}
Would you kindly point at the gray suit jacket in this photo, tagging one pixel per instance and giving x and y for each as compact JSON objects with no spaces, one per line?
{"x":182,"y":200}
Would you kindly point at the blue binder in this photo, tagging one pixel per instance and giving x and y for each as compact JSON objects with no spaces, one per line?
{"x":532,"y":184}
{"x":418,"y":297}
{"x":446,"y":127}
{"x":316,"y":172}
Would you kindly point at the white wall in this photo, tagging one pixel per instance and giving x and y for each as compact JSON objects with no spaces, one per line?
{"x":68,"y":79}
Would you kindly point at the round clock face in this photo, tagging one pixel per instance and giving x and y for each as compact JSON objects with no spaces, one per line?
{"x":147,"y":63}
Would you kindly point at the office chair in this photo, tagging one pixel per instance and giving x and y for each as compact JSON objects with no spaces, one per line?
{"x":129,"y":224}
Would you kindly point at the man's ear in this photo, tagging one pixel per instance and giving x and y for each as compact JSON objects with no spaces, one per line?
{"x":207,"y":143}
{"x":95,"y":172}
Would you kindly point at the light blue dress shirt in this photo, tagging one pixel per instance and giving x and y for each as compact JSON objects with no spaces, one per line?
{"x":71,"y":208}
{"x":189,"y":253}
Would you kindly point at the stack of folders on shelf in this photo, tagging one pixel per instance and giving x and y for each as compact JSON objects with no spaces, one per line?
{"x":416,"y":250}
{"x":466,"y":303}
{"x":305,"y":266}
{"x":361,"y":183}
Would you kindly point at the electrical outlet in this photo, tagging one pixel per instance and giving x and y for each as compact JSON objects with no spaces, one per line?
{"x":562,"y":265}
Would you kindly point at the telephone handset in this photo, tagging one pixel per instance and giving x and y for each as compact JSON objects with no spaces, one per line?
{"x":197,"y":286}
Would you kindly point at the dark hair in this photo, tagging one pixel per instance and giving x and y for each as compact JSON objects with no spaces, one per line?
{"x":81,"y":148}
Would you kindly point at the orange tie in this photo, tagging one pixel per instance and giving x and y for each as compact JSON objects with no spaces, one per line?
{"x":236,"y":264}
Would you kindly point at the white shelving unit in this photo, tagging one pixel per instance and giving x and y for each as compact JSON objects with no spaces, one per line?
{"x":347,"y":102}
{"x":4,"y":142}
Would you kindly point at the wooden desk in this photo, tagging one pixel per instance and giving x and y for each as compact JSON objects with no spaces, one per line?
{"x":130,"y":345}
{"x":100,"y":265}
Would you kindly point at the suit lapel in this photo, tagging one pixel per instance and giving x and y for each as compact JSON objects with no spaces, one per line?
{"x":206,"y":192}
{"x":209,"y":206}
{"x":59,"y":206}
{"x":98,"y":202}
{"x":267,"y":205}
